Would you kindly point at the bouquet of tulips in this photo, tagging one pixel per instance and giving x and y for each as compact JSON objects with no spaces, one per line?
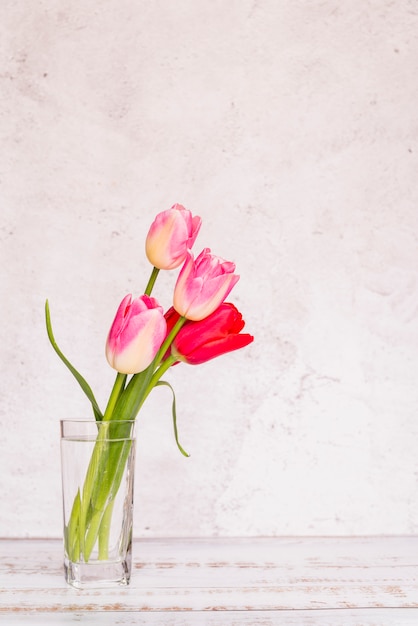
{"x":144,"y":342}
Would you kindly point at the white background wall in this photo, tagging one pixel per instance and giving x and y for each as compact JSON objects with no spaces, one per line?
{"x":291,"y":127}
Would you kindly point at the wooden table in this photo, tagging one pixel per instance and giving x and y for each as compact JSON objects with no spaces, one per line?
{"x":263,"y":581}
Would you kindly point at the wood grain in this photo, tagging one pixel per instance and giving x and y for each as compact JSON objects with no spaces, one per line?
{"x":304,"y":581}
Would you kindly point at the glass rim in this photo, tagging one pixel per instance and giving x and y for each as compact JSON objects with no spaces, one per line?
{"x":91,"y":429}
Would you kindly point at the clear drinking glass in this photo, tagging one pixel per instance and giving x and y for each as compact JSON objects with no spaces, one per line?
{"x":97,"y":463}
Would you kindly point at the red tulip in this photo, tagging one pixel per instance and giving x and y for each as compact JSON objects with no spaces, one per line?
{"x":136,"y":334}
{"x":171,"y":234}
{"x":202,"y":285}
{"x":219,"y":333}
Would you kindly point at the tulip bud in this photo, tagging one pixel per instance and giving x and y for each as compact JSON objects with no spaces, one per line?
{"x":171,"y":234}
{"x":136,"y":334}
{"x":203,"y":284}
{"x":217,"y":334}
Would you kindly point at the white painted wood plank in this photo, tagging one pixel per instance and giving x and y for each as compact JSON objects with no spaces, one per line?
{"x":349,"y":617}
{"x":224,"y":574}
{"x":207,"y":599}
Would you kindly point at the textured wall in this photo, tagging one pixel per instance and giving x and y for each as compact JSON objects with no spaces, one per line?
{"x":291,"y":127}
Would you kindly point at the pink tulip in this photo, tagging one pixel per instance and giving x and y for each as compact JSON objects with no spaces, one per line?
{"x":136,"y":334}
{"x":217,"y":334}
{"x":203,"y":284}
{"x":171,"y":234}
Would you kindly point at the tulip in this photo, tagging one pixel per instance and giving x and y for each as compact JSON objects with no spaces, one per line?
{"x":203,"y":284}
{"x":171,"y":234}
{"x":136,"y":334}
{"x":217,"y":334}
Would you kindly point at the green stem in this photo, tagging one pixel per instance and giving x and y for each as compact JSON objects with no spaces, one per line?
{"x":118,"y":387}
{"x":169,"y":339}
{"x":72,"y":532}
{"x":151,"y":282}
{"x":158,"y":373}
{"x":104,"y":531}
{"x":131,"y":399}
{"x":165,"y":365}
{"x":140,"y":385}
{"x":99,"y":524}
{"x":104,"y":495}
{"x":94,"y":480}
{"x":99,"y":490}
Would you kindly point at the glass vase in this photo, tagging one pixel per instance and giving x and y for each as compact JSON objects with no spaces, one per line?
{"x":97,"y":464}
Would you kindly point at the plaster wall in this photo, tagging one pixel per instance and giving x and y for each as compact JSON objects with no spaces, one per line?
{"x":291,"y":128}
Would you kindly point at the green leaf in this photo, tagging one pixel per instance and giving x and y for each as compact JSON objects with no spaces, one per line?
{"x":163,"y":382}
{"x":81,"y":381}
{"x":72,"y":531}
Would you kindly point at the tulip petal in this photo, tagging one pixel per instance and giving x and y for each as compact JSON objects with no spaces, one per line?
{"x":216,"y":334}
{"x":136,"y":334}
{"x":170,"y":235}
{"x":218,"y":347}
{"x":226,"y":320}
{"x":203,"y":284}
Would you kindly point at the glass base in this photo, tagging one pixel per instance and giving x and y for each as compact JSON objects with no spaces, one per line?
{"x":97,"y":574}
